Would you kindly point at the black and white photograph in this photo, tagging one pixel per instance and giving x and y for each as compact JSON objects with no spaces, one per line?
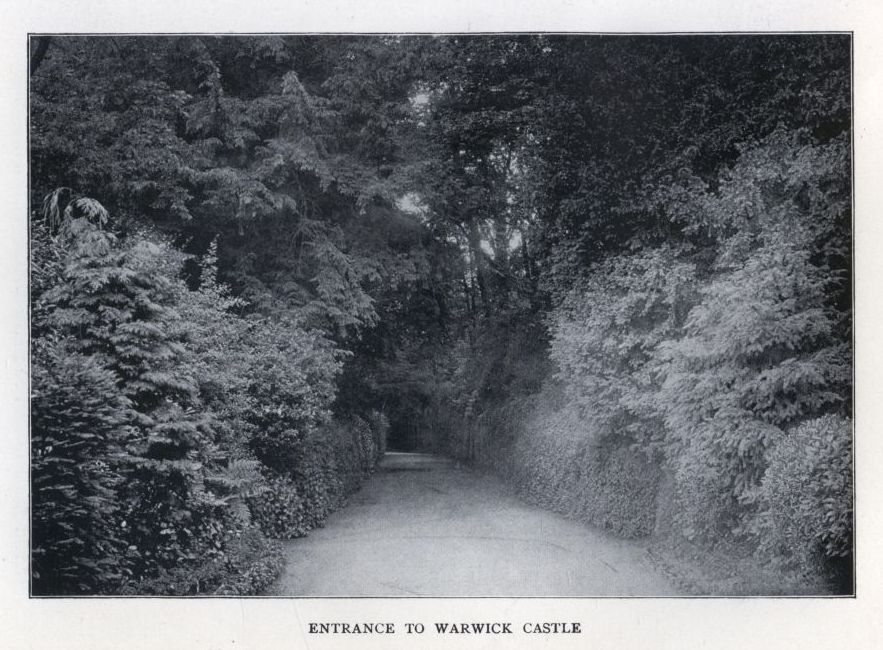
{"x":509,"y":314}
{"x":381,"y":325}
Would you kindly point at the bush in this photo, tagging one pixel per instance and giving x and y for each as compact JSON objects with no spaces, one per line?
{"x":270,"y":384}
{"x":79,"y":429}
{"x":109,"y":317}
{"x":354,"y":444}
{"x":705,"y":358}
{"x":319,"y":478}
{"x":563,"y":463}
{"x":593,"y":451}
{"x":604,"y":334}
{"x":337,"y":458}
{"x":807,"y":491}
{"x":280,"y":510}
{"x":248,"y":565}
{"x":618,"y":491}
{"x":135,"y":479}
{"x":764,"y":347}
{"x":253,"y":563}
{"x":331,"y":464}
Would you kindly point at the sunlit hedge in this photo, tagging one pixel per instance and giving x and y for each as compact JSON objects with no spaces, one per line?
{"x":559,"y":461}
{"x":725,"y":368}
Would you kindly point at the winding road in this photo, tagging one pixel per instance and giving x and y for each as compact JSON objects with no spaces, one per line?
{"x":424,"y":526}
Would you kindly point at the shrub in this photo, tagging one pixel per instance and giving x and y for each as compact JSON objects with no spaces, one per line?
{"x":618,"y":491}
{"x":79,"y":429}
{"x":116,"y":303}
{"x":111,"y":308}
{"x":754,"y":357}
{"x":605,"y":331}
{"x":253,"y":564}
{"x":270,"y":384}
{"x":319,"y":479}
{"x":702,"y":357}
{"x":331,"y":463}
{"x":764,"y":347}
{"x":280,"y":510}
{"x":561,"y":462}
{"x":46,"y":268}
{"x":129,"y":482}
{"x":595,"y":454}
{"x":337,"y":458}
{"x":248,"y":565}
{"x":807,"y":491}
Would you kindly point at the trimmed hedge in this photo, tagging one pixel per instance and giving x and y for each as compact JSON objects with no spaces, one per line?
{"x":279,"y":510}
{"x":618,"y":492}
{"x":335,"y":461}
{"x":560,"y":463}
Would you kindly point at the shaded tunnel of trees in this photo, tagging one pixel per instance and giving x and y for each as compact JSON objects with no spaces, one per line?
{"x":614,"y":269}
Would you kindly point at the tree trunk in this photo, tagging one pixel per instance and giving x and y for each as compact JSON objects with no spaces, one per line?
{"x":480,"y":265}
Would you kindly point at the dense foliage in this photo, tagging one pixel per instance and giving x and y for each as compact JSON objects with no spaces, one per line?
{"x":562,"y":463}
{"x":205,"y":399}
{"x":616,"y":269}
{"x":149,"y":481}
{"x":694,"y":281}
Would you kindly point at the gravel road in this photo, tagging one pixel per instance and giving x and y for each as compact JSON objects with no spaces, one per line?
{"x":424,"y":526}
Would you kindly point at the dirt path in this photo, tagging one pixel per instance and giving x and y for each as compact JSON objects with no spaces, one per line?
{"x":424,"y":527}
